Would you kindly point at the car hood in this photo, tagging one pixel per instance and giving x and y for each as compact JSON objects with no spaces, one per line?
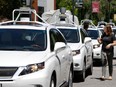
{"x":17,"y":58}
{"x":75,"y":46}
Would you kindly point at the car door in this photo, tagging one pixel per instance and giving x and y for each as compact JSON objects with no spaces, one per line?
{"x":67,"y":53}
{"x":88,"y":46}
{"x":60,"y":53}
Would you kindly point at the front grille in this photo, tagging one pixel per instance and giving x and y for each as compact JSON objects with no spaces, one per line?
{"x":7,"y":71}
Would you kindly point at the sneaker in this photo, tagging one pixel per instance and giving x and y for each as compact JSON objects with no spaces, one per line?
{"x":110,"y":78}
{"x":102,"y":78}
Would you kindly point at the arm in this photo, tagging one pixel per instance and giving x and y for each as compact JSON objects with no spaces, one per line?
{"x":111,"y":44}
{"x":99,"y":40}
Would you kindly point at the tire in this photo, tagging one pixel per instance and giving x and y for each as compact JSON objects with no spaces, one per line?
{"x":70,"y":79}
{"x":90,"y":70}
{"x":52,"y":82}
{"x":83,"y":74}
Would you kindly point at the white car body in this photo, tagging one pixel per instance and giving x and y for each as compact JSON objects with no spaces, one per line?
{"x":82,"y":50}
{"x":114,"y":31}
{"x":101,"y":24}
{"x":23,"y":65}
{"x":94,"y":33}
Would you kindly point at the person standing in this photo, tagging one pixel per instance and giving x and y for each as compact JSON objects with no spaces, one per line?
{"x":86,"y":25}
{"x":107,"y":40}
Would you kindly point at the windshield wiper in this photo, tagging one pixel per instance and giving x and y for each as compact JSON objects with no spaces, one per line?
{"x":31,"y":48}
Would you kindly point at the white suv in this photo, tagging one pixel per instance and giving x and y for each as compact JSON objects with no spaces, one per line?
{"x":81,"y":47}
{"x":34,"y":55}
{"x":95,"y":33}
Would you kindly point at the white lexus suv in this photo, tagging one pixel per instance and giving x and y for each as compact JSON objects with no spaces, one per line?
{"x":82,"y":49}
{"x":80,"y":44}
{"x":94,"y":33}
{"x":33,"y":54}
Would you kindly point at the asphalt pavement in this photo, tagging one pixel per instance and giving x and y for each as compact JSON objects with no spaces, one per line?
{"x":95,"y":81}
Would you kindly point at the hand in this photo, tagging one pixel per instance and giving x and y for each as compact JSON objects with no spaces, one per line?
{"x":99,"y":40}
{"x":108,"y":46}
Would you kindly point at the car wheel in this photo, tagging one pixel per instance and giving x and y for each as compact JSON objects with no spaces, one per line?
{"x":90,"y":70}
{"x":52,"y":82}
{"x":70,"y":79}
{"x":83,"y":74}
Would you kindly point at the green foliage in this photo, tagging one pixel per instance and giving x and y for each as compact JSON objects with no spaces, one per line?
{"x":7,"y":6}
{"x":68,"y":4}
{"x":86,"y":10}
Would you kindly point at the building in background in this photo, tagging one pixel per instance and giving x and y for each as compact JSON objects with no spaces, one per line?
{"x":41,"y":6}
{"x":46,"y":5}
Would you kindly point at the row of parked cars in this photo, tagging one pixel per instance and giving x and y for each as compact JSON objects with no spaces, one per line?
{"x":33,"y":54}
{"x":39,"y":54}
{"x":42,"y":54}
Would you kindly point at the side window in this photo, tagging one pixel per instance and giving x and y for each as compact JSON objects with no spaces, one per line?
{"x":55,"y":36}
{"x":60,"y":37}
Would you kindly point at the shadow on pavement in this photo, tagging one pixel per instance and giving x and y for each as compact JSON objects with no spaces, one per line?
{"x":97,"y":63}
{"x":98,"y":78}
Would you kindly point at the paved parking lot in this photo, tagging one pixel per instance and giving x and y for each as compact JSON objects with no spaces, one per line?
{"x":94,"y":80}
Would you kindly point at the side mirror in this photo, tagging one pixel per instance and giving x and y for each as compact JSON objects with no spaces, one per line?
{"x":59,"y":45}
{"x":87,"y":39}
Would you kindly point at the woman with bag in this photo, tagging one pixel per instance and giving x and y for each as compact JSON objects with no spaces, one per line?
{"x":107,"y":40}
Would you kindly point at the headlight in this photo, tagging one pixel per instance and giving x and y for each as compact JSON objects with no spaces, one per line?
{"x":75,"y":52}
{"x":96,"y":46}
{"x":32,"y":68}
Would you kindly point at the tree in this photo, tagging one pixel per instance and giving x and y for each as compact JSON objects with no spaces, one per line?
{"x":7,"y":6}
{"x":68,"y":4}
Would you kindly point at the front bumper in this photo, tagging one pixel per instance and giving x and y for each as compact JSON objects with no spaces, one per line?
{"x":97,"y":53}
{"x":37,"y":79}
{"x":77,"y":62}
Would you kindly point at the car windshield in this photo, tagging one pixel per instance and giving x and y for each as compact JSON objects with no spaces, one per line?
{"x":71,"y":35}
{"x":22,"y":39}
{"x":94,"y":34}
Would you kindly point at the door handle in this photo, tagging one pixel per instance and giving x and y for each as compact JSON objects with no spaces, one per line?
{"x":63,"y":56}
{"x":69,"y":52}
